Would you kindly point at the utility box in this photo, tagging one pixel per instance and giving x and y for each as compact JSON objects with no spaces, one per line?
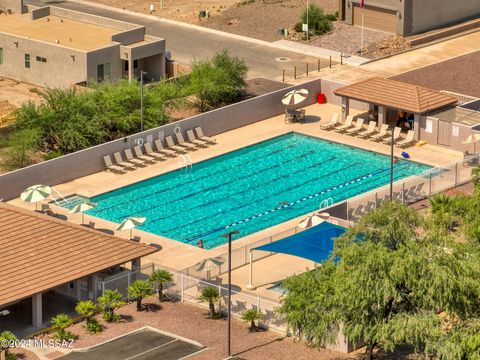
{"x":321,"y":98}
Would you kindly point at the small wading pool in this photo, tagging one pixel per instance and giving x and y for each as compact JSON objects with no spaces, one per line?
{"x":250,"y":189}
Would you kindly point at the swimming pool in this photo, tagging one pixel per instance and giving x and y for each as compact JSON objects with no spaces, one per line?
{"x":250,"y":189}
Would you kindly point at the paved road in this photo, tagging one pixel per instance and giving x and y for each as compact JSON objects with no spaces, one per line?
{"x":187,"y":44}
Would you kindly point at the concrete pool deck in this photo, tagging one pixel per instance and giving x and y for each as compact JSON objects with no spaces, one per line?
{"x":177,"y":255}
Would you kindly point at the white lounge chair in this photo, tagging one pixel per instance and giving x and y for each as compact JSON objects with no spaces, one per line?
{"x":140,"y":155}
{"x":381,"y":134}
{"x":332,"y":123}
{"x":358,"y":127}
{"x":396,"y":136}
{"x":150,"y":152}
{"x":185,"y":144}
{"x":162,"y":150}
{"x":408,"y":141}
{"x":370,"y":130}
{"x":171,"y":145}
{"x":201,"y":136}
{"x":119,"y":160}
{"x":110,"y":166}
{"x":194,"y":140}
{"x":132,"y":159}
{"x":347,"y":125}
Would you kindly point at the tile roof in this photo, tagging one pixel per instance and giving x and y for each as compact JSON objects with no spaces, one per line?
{"x":397,"y":95}
{"x":40,"y":252}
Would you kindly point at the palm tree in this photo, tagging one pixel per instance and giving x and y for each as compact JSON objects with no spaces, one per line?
{"x":6,"y":338}
{"x":139,"y":290}
{"x":160,"y":277}
{"x":211,"y":295}
{"x":108,"y":302}
{"x":60,"y":323}
{"x":86,"y":309}
{"x":251,"y":315}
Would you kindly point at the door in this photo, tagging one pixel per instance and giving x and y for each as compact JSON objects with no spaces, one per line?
{"x":375,"y":18}
{"x":444,"y":132}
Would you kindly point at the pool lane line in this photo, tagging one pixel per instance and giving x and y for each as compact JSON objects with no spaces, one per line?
{"x":350,"y":182}
{"x":198,"y":179}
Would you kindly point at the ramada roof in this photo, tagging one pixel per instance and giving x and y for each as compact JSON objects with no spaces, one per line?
{"x":39,"y":252}
{"x":397,"y":95}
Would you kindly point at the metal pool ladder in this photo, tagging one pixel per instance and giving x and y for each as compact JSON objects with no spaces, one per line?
{"x":186,"y":161}
{"x":325,"y":203}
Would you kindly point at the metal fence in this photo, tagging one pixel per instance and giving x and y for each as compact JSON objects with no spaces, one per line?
{"x":188,"y":289}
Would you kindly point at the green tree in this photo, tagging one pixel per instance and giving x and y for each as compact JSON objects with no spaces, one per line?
{"x":159,"y":278}
{"x":386,"y":283}
{"x":139,"y":290}
{"x":60,"y":323}
{"x":318,"y":22}
{"x":219,"y":80}
{"x":211,"y":295}
{"x":7,"y":337}
{"x":108,"y":303}
{"x":250,"y":316}
{"x":20,"y":148}
{"x":87,"y":309}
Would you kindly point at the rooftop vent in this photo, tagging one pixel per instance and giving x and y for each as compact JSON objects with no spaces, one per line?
{"x":47,"y":19}
{"x":57,"y":41}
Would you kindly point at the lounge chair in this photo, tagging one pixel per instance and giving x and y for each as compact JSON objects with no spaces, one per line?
{"x":132,"y":159}
{"x":185,"y":144}
{"x":408,"y":141}
{"x":396,"y":136}
{"x":370,"y":130}
{"x":381,"y":134}
{"x":332,"y":123}
{"x":150,"y":152}
{"x":115,"y":168}
{"x":194,"y":140}
{"x":201,"y":136}
{"x":358,"y":127}
{"x":344,"y":127}
{"x":162,"y":150}
{"x":120,"y":162}
{"x":171,"y":145}
{"x":140,"y":155}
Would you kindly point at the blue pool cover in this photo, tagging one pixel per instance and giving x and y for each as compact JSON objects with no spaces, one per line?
{"x":314,"y":244}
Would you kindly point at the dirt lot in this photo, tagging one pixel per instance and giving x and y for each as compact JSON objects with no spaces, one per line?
{"x":16,"y":92}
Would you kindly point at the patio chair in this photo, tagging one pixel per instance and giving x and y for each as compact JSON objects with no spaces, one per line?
{"x":114,"y":168}
{"x":185,"y":144}
{"x":171,"y":145}
{"x":370,"y":130}
{"x":136,"y":239}
{"x":194,"y":140}
{"x":132,"y":159}
{"x":119,"y":160}
{"x":149,"y":151}
{"x":332,"y":123}
{"x":381,"y":134}
{"x":201,"y":136}
{"x":140,"y":155}
{"x":358,"y":127}
{"x":91,"y":225}
{"x":396,"y":136}
{"x":301,"y":117}
{"x":344,"y":127}
{"x":160,"y":149}
{"x":45,"y":209}
{"x":289,"y":117}
{"x":408,"y":141}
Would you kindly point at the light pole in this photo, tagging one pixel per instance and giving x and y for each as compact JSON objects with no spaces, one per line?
{"x":229,"y":329}
{"x":391,"y":165}
{"x":141,"y":99}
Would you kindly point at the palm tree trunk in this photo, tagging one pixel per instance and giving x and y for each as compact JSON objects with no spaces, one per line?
{"x":160,"y":291}
{"x":212,"y":309}
{"x":139,"y":304}
{"x":253,"y":327}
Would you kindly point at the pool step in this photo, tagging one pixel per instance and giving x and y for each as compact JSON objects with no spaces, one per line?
{"x":72,"y":201}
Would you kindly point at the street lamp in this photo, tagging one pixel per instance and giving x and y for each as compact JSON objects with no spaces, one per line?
{"x":391,"y":165}
{"x":141,"y":99}
{"x":229,"y":329}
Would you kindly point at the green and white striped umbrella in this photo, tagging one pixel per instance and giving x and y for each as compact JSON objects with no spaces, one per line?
{"x":36,"y":193}
{"x":130,"y":223}
{"x":81,"y":208}
{"x":209,"y":264}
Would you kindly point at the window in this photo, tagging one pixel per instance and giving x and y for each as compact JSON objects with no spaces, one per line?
{"x":27,"y":61}
{"x":103,"y":72}
{"x":41,"y":59}
{"x":1,"y":56}
{"x":135,"y":64}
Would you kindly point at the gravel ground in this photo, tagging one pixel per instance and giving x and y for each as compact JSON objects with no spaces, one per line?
{"x":192,"y":322}
{"x":457,"y":75}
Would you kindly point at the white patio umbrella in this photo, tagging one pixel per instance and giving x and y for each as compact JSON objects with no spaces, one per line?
{"x":472,"y":138}
{"x":130,"y":223}
{"x":36,"y":193}
{"x":313,"y":220}
{"x":81,"y":208}
{"x":294,"y":97}
{"x":208,"y":265}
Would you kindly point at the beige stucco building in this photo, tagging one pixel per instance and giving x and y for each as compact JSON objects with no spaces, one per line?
{"x":55,"y":47}
{"x":406,"y":17}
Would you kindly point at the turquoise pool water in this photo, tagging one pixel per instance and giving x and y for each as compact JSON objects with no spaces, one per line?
{"x":250,"y":189}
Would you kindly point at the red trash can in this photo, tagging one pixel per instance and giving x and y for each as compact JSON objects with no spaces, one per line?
{"x":321,"y":98}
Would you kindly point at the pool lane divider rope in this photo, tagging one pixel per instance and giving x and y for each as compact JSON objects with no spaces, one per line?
{"x":336,"y":187}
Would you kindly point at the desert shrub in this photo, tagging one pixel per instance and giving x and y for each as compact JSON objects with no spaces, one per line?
{"x":318,"y":22}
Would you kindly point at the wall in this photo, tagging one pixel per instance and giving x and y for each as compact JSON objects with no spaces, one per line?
{"x":16,"y":6}
{"x":105,"y":55}
{"x":89,"y":161}
{"x":396,"y":5}
{"x":130,"y":36}
{"x":455,"y":141}
{"x":40,"y":12}
{"x":59,"y":70}
{"x":328,"y":88}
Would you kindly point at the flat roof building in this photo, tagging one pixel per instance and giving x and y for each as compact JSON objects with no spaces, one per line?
{"x":56,"y":47}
